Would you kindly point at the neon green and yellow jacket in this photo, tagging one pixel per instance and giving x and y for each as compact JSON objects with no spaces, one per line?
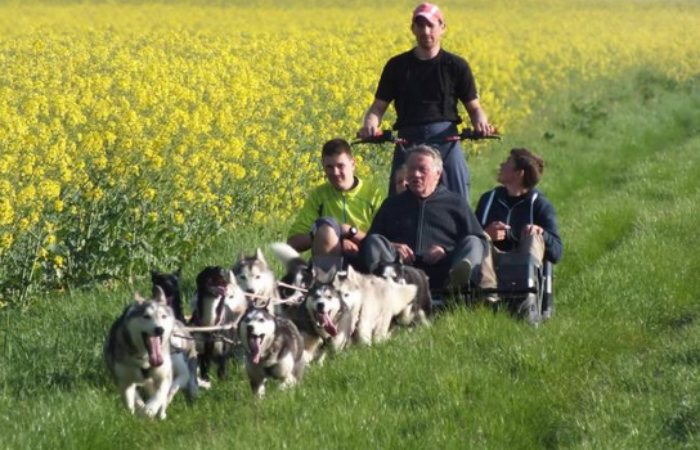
{"x":356,"y":207}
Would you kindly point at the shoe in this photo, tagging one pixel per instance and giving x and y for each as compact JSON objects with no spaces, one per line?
{"x":491,"y":298}
{"x":461,"y":273}
{"x":548,"y":313}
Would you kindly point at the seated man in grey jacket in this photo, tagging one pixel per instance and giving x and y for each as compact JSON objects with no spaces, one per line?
{"x":427,"y":226}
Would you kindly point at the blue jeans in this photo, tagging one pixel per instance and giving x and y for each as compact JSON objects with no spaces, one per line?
{"x":376,"y":249}
{"x":455,"y":174}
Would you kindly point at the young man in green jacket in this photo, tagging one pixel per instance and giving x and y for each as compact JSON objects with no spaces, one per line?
{"x":337,"y":214}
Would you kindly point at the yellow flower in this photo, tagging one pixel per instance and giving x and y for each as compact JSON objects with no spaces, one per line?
{"x":6,"y":241}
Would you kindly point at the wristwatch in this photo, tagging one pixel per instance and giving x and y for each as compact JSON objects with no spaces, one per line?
{"x":352,"y":232}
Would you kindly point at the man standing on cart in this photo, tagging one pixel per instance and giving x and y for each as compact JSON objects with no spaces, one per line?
{"x":425,"y":84}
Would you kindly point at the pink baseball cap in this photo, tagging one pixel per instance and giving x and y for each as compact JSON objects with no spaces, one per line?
{"x":429,"y":11}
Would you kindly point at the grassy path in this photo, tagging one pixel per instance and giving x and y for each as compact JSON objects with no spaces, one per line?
{"x":619,"y":367}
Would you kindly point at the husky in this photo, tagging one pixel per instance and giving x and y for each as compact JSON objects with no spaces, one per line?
{"x":217,"y":302}
{"x":420,"y":309}
{"x":299,"y":274}
{"x":274,"y":349}
{"x":374,"y":302}
{"x":255,"y":277}
{"x":328,"y":315}
{"x":149,"y":352}
{"x":170,"y":284}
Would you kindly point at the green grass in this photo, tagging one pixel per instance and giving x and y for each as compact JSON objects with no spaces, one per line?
{"x":619,"y":366}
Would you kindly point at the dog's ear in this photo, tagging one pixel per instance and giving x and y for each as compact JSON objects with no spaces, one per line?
{"x":178,"y":272}
{"x":154,"y":275}
{"x":138,"y":298}
{"x":351,"y":273}
{"x":259,"y":256}
{"x":159,"y":295}
{"x":319,"y":274}
{"x":330,"y":276}
{"x":230,"y":277}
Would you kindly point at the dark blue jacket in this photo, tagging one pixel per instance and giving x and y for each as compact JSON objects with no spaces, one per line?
{"x":531,"y":208}
{"x":443,"y":219}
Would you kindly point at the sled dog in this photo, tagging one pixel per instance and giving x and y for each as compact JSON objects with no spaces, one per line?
{"x":170,"y":284}
{"x":274,"y":349}
{"x":377,"y":301}
{"x":148,"y":352}
{"x":217,"y":302}
{"x":420,"y":309}
{"x":255,"y":276}
{"x":298,"y":274}
{"x":329,"y":316}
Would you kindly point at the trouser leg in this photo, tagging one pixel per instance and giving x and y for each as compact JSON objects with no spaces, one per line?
{"x":326,"y":242}
{"x":534,"y":245}
{"x":376,"y":249}
{"x":530,"y":308}
{"x":472,"y":249}
{"x":488,"y":268}
{"x":455,"y":174}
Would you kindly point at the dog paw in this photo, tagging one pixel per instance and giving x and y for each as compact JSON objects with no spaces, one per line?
{"x":149,"y":411}
{"x":204,"y":384}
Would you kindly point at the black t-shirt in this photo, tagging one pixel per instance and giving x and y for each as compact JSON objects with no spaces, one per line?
{"x":426,"y":91}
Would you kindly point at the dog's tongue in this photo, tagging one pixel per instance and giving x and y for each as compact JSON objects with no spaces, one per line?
{"x":328,"y":324}
{"x":254,"y":343}
{"x":155,"y":357}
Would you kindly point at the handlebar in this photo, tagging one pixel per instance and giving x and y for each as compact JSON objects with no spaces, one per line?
{"x":388,"y":136}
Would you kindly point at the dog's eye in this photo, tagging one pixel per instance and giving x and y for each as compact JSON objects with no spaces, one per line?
{"x":147,"y":316}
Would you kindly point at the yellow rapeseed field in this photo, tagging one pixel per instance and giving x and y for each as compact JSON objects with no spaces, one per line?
{"x":128,"y":131}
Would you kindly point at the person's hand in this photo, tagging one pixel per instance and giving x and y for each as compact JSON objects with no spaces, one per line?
{"x":405,"y":252}
{"x":350,"y":248}
{"x":369,"y":130}
{"x":484,"y":128}
{"x":533,"y":230}
{"x":434,"y":254}
{"x":497,"y":231}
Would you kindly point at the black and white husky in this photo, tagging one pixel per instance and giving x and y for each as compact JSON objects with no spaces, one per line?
{"x":149,"y":353}
{"x":170,"y":284}
{"x":218,"y":302}
{"x":420,"y":309}
{"x":274,"y":349}
{"x":295,"y":282}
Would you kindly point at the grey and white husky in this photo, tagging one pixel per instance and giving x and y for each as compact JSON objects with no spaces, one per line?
{"x":274,"y":349}
{"x":148,"y":352}
{"x":255,"y":276}
{"x":329,"y":316}
{"x":374,"y":302}
{"x":421,"y":307}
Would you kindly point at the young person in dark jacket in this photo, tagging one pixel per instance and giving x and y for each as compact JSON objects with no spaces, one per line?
{"x":518,"y":217}
{"x":428,"y":226}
